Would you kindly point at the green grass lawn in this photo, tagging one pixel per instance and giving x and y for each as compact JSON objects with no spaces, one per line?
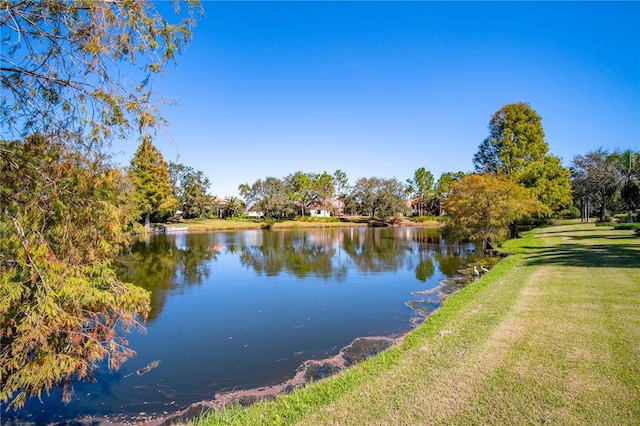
{"x":224,"y":224}
{"x":551,"y":335}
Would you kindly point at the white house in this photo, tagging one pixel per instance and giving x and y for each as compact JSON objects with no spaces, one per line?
{"x":326,"y":208}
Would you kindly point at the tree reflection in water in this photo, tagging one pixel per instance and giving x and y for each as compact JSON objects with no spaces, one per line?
{"x":162,"y":263}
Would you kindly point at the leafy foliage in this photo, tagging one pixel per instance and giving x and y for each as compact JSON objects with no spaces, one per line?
{"x":190,"y":188}
{"x":379,"y":197}
{"x":482,"y":205}
{"x":268,"y":196}
{"x":628,"y":165}
{"x":421,"y":187}
{"x":515,"y":139}
{"x":74,"y":74}
{"x":60,"y":301}
{"x":595,"y":179}
{"x":62,"y":64}
{"x":234,"y":207}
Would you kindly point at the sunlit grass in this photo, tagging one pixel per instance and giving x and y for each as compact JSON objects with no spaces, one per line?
{"x":550,"y":335}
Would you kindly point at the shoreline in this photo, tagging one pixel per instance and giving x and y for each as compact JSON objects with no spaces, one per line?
{"x":221,"y":225}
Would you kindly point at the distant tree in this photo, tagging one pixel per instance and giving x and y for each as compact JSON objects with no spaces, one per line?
{"x":323,"y":185}
{"x":421,"y":188}
{"x":190,"y":188}
{"x":248,"y":194}
{"x":378,"y":197}
{"x":341,"y":184}
{"x":61,"y":303}
{"x":596,"y":175}
{"x":299,"y":187}
{"x":443,"y":186}
{"x":234,"y":207}
{"x":152,"y":184}
{"x":483,"y":205}
{"x":628,"y":164}
{"x":268,"y":196}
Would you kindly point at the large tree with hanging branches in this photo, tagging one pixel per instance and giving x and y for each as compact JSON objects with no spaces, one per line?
{"x":74,"y":75}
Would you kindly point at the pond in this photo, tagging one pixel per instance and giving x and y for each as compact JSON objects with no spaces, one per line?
{"x":243,"y":309}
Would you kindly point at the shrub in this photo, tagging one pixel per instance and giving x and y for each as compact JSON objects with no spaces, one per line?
{"x":571,"y":213}
{"x":621,"y":218}
{"x":628,"y":226}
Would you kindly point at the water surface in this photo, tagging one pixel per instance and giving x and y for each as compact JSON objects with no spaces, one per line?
{"x":243,"y":309}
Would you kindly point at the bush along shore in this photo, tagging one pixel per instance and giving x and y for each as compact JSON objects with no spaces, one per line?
{"x":549,"y":335}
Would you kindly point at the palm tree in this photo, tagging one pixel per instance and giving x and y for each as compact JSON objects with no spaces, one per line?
{"x":628,"y":164}
{"x":234,"y":206}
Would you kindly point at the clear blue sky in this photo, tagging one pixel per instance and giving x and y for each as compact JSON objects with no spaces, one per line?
{"x":383,"y":88}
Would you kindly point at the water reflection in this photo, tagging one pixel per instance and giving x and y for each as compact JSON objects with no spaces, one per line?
{"x":299,"y":253}
{"x":163,"y":263}
{"x":167,"y":262}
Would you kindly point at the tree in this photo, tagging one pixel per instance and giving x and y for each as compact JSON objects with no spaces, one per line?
{"x":58,"y":61}
{"x":342,"y":187}
{"x":234,"y":206}
{"x":516,"y":138}
{"x":190,"y":189}
{"x":341,"y":184}
{"x":443,"y":186}
{"x":268,"y":196}
{"x":596,"y":176}
{"x":628,"y":164}
{"x":323,"y":186}
{"x":549,"y":182}
{"x":379,"y":197}
{"x":421,"y":187}
{"x":483,"y":205}
{"x":516,"y":148}
{"x":63,"y":207}
{"x":299,"y":188}
{"x":151,"y":179}
{"x":61,"y":304}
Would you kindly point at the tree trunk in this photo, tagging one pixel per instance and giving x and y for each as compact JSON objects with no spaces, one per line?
{"x":147,"y":221}
{"x":513,"y":230}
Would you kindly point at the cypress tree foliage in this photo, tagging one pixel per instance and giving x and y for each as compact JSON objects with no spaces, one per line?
{"x":62,"y":208}
{"x":484,"y":205}
{"x":61,"y":223}
{"x":153,"y":189}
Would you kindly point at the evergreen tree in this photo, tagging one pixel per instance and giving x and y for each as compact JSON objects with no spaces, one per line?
{"x":517,"y":149}
{"x":152,"y":184}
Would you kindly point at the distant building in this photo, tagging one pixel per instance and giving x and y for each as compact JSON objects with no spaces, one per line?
{"x":327,"y":208}
{"x":219,"y":206}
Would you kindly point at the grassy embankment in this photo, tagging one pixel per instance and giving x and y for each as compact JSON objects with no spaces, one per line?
{"x":550,"y":335}
{"x":307,"y":223}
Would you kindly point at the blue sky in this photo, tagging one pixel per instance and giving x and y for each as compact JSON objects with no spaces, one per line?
{"x":383,"y":88}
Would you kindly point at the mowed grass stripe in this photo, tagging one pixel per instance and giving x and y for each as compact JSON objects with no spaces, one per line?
{"x":550,"y":335}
